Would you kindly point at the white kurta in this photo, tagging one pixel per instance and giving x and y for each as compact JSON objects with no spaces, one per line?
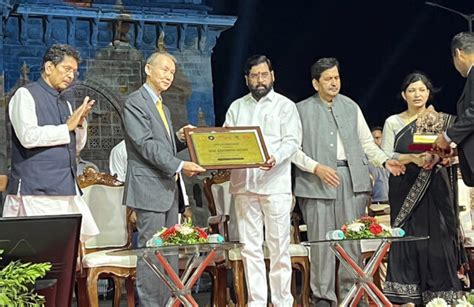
{"x":118,"y":161}
{"x":263,"y":198}
{"x":24,"y":121}
{"x":280,"y":123}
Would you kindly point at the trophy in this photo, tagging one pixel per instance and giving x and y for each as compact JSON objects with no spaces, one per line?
{"x":428,"y":125}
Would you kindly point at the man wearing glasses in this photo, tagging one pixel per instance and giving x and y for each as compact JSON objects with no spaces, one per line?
{"x":46,"y":135}
{"x":263,"y":196}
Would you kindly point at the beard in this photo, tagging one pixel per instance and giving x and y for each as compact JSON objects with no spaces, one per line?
{"x":261,"y":90}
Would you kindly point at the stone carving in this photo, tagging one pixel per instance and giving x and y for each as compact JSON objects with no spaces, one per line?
{"x":430,"y":122}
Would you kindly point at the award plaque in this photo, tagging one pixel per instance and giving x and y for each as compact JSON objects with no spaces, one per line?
{"x":428,"y":125}
{"x":225,"y":148}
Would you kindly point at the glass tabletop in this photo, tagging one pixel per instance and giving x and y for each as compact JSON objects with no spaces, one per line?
{"x":387,"y":239}
{"x":168,"y":250}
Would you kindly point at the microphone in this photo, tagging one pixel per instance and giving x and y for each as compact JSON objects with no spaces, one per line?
{"x":397,"y":232}
{"x":154,"y":242}
{"x":215,"y":238}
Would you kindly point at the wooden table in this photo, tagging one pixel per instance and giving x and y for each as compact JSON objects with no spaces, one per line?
{"x":199,"y":256}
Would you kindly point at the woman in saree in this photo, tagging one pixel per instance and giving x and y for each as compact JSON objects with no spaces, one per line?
{"x":421,"y":203}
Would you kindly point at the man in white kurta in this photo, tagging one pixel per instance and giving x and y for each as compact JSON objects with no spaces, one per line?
{"x":263,"y":196}
{"x":38,"y":184}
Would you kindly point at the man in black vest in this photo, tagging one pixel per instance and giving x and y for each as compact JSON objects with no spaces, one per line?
{"x":44,"y":132}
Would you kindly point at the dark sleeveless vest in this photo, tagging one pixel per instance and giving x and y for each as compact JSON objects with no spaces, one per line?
{"x":44,"y":170}
{"x":320,"y":126}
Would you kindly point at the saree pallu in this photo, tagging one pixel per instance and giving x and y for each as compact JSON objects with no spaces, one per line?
{"x":421,"y":203}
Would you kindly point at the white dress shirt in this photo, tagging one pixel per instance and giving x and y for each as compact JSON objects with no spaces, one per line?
{"x":279,"y":121}
{"x":373,"y":152}
{"x":155,"y":98}
{"x":22,"y":111}
{"x":118,"y":161}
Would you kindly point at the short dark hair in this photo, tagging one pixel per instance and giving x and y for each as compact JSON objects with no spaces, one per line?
{"x":321,"y":65}
{"x":419,"y":76}
{"x":255,"y":60}
{"x":375,"y":128}
{"x":57,"y":52}
{"x":463,"y":41}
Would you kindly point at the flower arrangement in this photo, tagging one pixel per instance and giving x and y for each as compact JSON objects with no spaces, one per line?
{"x":365,"y":227}
{"x":466,"y":301}
{"x":178,"y":234}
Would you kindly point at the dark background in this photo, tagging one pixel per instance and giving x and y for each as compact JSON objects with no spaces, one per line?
{"x":376,"y":42}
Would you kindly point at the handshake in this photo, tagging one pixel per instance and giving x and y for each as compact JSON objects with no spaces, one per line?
{"x":443,"y":148}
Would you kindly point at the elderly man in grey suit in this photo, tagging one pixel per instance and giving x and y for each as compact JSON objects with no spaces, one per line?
{"x":152,"y":183}
{"x":332,"y":182}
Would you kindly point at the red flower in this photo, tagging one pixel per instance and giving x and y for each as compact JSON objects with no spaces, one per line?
{"x":168,"y":233}
{"x":368,"y":219}
{"x":375,"y":229}
{"x":202,"y":233}
{"x":344,"y":228}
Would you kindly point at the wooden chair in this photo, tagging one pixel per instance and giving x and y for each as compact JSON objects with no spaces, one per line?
{"x":103,"y":194}
{"x":298,"y":253}
{"x":3,"y":183}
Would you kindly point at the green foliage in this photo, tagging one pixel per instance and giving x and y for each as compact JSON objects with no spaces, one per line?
{"x":470,"y":298}
{"x":15,"y":280}
{"x":364,"y":228}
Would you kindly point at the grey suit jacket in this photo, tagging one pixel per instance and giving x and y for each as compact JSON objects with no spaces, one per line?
{"x":152,"y":163}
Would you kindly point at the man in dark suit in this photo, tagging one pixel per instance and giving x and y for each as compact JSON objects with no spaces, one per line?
{"x":152,"y":181}
{"x":461,"y":134}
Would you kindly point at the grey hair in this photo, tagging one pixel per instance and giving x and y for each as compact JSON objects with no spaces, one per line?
{"x":463,"y":41}
{"x":154,"y":55}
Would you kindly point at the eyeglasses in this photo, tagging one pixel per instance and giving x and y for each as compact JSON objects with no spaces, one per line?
{"x":263,"y":75}
{"x":68,"y":70}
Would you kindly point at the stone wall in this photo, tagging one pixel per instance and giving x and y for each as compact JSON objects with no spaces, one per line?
{"x":114,"y":39}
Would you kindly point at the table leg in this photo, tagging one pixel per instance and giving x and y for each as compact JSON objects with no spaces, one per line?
{"x":370,"y":270}
{"x":186,"y":292}
{"x":364,"y":282}
{"x":181,"y":288}
{"x":168,"y":282}
{"x":199,"y":269}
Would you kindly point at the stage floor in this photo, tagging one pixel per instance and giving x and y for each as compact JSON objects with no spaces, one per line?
{"x":203,"y":297}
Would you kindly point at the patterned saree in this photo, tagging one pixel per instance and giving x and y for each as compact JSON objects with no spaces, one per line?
{"x":422,"y":204}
